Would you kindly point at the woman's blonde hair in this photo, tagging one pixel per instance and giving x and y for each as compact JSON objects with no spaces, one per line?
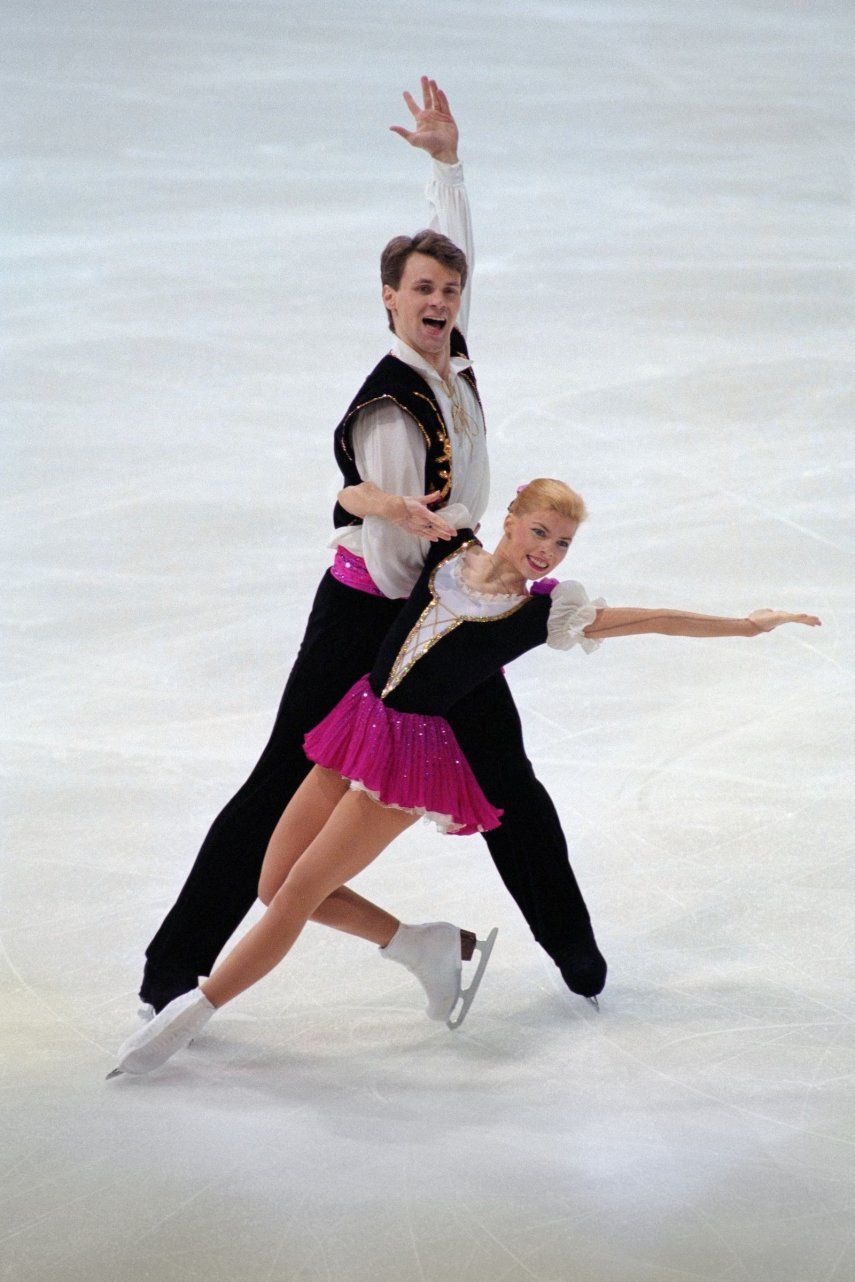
{"x":547,"y":495}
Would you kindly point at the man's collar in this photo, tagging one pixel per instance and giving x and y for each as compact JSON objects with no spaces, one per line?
{"x":412,"y":358}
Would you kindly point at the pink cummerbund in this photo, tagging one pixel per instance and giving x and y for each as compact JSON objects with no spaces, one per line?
{"x":351,"y":570}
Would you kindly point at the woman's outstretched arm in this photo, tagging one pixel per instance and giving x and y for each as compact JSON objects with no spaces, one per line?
{"x":627,"y":621}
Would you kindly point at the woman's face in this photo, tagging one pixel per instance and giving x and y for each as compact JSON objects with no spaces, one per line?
{"x":537,"y":542}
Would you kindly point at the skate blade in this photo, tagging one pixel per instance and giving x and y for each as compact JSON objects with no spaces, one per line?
{"x":117,"y":1072}
{"x":484,"y":947}
{"x":594,"y":1002}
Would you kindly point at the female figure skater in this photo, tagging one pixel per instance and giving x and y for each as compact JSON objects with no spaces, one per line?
{"x":386,"y":755}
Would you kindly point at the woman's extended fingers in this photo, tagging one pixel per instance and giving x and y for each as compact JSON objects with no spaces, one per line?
{"x":766,"y":620}
{"x":810,"y":620}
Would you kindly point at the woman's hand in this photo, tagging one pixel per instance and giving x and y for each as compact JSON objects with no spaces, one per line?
{"x":766,"y":620}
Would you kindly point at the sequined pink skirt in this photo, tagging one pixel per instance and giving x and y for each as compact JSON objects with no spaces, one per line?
{"x":402,"y":759}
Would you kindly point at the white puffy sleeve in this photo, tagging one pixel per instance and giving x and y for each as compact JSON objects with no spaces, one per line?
{"x":570,"y":612}
{"x":457,"y":515}
{"x":389,"y":450}
{"x":449,"y":206}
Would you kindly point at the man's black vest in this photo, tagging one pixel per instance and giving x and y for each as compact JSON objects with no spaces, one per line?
{"x":394,"y":380}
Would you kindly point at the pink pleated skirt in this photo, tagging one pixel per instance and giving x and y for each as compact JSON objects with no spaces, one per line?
{"x":402,"y":759}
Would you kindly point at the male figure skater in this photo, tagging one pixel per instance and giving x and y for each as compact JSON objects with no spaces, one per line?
{"x":415,"y":428}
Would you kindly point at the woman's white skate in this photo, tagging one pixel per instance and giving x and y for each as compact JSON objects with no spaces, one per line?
{"x":466,"y":996}
{"x":170,"y":1031}
{"x":432,"y":953}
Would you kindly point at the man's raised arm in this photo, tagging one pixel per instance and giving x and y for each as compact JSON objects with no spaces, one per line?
{"x":436,"y":133}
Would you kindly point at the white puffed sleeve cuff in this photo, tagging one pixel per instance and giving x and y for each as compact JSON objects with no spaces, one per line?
{"x":569,"y":614}
{"x":457,"y":515}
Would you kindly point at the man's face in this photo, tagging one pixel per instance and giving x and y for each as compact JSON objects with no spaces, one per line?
{"x":424,"y":307}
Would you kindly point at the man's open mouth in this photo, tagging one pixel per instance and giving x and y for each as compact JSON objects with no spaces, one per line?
{"x":434,"y":323}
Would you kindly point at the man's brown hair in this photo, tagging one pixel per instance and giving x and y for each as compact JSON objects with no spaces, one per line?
{"x":393,"y":260}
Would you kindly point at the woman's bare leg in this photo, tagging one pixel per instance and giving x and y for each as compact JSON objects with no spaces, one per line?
{"x":348,"y":912}
{"x":302,"y":821}
{"x":344,"y":910}
{"x":353,"y":836}
{"x":310,"y":884}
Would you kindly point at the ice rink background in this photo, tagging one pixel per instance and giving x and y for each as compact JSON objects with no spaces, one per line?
{"x":663,"y":316}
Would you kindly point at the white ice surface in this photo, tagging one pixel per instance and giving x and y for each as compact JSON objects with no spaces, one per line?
{"x":662,"y":315}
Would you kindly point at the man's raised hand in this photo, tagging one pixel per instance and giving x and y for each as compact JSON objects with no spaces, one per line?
{"x":436,"y":130}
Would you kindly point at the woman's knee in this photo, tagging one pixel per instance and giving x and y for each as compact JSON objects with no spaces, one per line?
{"x":299,"y":893}
{"x":269,"y":885}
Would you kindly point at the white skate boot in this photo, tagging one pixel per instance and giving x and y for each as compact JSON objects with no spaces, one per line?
{"x":432,"y":952}
{"x":170,"y":1031}
{"x":146,"y":1011}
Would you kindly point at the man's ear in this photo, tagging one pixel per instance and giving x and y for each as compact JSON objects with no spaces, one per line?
{"x":389,"y":297}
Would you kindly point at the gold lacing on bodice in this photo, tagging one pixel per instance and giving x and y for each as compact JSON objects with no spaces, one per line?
{"x":452,"y":603}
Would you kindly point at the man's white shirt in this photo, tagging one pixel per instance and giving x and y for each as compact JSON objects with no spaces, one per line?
{"x":388,"y":447}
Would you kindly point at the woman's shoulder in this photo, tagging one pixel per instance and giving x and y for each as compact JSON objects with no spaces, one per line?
{"x":444,"y":550}
{"x":564,"y":592}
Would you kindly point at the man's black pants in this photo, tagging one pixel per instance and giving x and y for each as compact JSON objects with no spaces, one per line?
{"x":342,"y":636}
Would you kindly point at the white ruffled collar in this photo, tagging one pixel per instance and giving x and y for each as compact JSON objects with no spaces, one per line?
{"x":482,"y":598}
